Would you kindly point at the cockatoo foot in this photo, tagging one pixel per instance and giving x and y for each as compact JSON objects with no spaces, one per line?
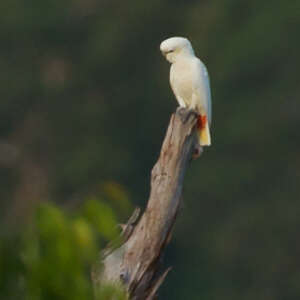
{"x":185,"y":114}
{"x":191,"y":113}
{"x":181,"y":111}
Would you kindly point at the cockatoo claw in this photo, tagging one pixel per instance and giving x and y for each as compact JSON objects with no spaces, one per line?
{"x":181,"y":111}
{"x":185,"y":114}
{"x":190,"y":113}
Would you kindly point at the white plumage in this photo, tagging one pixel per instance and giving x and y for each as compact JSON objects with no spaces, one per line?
{"x":190,"y":82}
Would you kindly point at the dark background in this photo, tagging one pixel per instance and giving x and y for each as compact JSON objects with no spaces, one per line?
{"x":85,"y":102}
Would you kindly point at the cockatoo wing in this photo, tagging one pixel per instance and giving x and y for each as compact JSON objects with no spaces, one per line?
{"x":202,"y":102}
{"x":202,"y":88}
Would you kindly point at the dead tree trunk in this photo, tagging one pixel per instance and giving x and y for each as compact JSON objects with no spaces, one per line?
{"x":136,"y":264}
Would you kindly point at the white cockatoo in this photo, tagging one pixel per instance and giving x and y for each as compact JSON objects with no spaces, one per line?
{"x":190,"y":82}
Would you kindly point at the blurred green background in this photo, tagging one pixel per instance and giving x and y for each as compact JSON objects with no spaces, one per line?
{"x":85,"y":102}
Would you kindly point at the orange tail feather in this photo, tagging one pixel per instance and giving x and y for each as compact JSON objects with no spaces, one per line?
{"x":203,"y":131}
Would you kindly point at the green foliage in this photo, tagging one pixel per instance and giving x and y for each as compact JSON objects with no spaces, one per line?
{"x":108,"y":292}
{"x":54,"y":253}
{"x":105,"y":225}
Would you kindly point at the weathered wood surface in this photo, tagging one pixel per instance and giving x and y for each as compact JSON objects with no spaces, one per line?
{"x":136,"y":264}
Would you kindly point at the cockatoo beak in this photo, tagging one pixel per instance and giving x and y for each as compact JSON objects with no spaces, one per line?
{"x":164,"y":53}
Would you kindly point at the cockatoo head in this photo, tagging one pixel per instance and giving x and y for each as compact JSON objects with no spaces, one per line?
{"x":176,"y":47}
